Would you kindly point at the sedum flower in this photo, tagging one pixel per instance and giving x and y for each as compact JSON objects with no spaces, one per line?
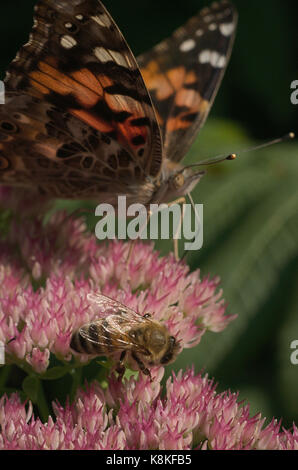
{"x":47,"y":271}
{"x":138,"y":414}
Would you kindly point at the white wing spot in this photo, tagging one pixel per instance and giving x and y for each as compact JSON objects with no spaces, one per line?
{"x":102,"y":54}
{"x":187,"y":45}
{"x":199,"y":32}
{"x":102,"y":20}
{"x":79,"y":17}
{"x":213,"y":58}
{"x":68,"y":25}
{"x":119,"y":58}
{"x":68,"y":42}
{"x":212,"y":27}
{"x":107,"y":55}
{"x":221,"y":62}
{"x":204,"y":56}
{"x":227,"y":29}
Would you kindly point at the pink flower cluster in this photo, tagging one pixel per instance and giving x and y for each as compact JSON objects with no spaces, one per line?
{"x":136,"y":415}
{"x":67,"y":263}
{"x":46,"y":273}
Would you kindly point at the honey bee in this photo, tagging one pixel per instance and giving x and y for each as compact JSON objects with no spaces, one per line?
{"x":121,"y":329}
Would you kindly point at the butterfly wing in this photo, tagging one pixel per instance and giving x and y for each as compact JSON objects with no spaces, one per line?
{"x":183,"y":74}
{"x":77,"y":67}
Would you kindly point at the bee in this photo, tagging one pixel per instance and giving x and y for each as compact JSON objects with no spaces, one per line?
{"x":121,"y":329}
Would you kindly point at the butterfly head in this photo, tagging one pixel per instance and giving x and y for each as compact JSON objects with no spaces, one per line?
{"x":185,"y":181}
{"x":178,"y":183}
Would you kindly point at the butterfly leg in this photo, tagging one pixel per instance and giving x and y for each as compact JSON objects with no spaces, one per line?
{"x":182,"y":201}
{"x":141,"y":365}
{"x":185,"y":253}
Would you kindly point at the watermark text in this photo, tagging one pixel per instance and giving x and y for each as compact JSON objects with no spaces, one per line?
{"x":158,"y":221}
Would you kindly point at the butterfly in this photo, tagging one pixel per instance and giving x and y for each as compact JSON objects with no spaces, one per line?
{"x":85,"y":119}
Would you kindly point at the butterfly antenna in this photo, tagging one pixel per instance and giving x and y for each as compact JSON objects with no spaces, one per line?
{"x":214,"y":160}
{"x":288,"y":136}
{"x":232,"y":156}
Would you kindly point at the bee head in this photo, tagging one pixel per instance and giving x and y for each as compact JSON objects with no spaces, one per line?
{"x":163,"y":348}
{"x":171,"y":352}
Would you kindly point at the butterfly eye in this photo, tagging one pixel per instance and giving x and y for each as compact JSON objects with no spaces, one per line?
{"x":147,"y":315}
{"x":9,"y":127}
{"x":179,"y":181}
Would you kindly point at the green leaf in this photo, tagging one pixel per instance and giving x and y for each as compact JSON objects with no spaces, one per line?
{"x":250,"y":240}
{"x":31,"y":388}
{"x":55,"y":373}
{"x":287,"y":372}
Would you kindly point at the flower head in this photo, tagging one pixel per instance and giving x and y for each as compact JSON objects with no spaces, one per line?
{"x":47,"y":272}
{"x":190,"y":414}
{"x":66,"y":264}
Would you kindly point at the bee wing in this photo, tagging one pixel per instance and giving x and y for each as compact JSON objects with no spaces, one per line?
{"x":107,"y":306}
{"x":117,"y":340}
{"x":115,"y":331}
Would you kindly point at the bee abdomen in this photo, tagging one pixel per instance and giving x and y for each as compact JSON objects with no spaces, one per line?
{"x":86,"y":340}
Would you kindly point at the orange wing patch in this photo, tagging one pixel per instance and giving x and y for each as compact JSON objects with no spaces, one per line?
{"x":88,"y":91}
{"x":93,"y":121}
{"x":164,"y":84}
{"x":172,"y":83}
{"x":49,"y":78}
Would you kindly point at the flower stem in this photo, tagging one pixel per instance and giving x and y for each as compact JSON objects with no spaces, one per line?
{"x":76,"y":382}
{"x":42,"y":403}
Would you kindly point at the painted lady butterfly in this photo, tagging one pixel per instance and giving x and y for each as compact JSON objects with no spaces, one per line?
{"x":82,"y":120}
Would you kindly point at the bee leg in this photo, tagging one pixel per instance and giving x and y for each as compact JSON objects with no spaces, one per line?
{"x":141,"y":365}
{"x":120,"y":367}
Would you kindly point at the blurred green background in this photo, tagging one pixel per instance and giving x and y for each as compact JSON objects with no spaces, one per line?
{"x":250,"y":205}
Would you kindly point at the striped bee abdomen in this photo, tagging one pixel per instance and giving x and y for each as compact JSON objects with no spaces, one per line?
{"x":87,"y":340}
